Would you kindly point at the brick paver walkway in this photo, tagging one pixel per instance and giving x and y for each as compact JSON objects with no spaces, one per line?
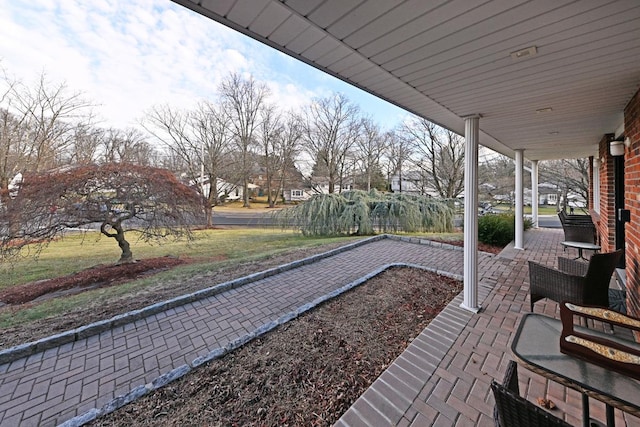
{"x":441,"y":379}
{"x":50,"y":387}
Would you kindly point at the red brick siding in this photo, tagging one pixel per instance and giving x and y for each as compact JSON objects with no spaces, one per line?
{"x":606,"y":225}
{"x":590,"y":195}
{"x":632,"y":202}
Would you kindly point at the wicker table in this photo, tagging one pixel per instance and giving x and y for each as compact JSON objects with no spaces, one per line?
{"x":536,"y":346}
{"x":580,"y":246}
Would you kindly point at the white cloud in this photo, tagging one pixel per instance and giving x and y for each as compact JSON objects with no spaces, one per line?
{"x":128,"y":55}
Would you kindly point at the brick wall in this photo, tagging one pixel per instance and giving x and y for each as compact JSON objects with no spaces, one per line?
{"x":632,"y":202}
{"x":590,"y":196}
{"x":606,"y":221}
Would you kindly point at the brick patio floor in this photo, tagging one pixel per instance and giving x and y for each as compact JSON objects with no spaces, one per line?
{"x":441,"y":379}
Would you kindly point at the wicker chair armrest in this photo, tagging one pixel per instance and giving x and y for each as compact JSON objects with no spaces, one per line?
{"x":513,"y":410}
{"x":572,"y":266}
{"x":510,"y":380}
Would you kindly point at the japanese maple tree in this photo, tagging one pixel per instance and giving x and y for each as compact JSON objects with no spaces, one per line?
{"x":116,"y":197}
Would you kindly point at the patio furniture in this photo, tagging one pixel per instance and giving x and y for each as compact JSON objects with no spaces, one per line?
{"x":574,"y":281}
{"x":581,"y":246}
{"x":513,"y":410}
{"x":571,"y":218}
{"x":536,"y":347}
{"x":578,"y":229}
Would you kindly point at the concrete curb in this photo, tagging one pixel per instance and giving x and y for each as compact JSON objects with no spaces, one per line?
{"x":85,"y":331}
{"x":217,"y":353}
{"x":27,"y":349}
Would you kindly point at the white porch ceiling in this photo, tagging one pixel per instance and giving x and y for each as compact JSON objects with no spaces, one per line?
{"x":446,"y":59}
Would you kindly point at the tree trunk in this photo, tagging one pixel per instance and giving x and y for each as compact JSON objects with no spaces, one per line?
{"x":208,"y":213}
{"x":270,"y":197}
{"x":245,"y":194}
{"x":127,"y":255}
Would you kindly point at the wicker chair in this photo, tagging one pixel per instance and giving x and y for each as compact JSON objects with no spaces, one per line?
{"x":511,"y":410}
{"x":574,"y":281}
{"x":578,"y":228}
{"x":584,"y":219}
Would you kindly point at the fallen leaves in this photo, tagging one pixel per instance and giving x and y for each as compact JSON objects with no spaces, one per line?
{"x":546,"y":403}
{"x":309,"y":372}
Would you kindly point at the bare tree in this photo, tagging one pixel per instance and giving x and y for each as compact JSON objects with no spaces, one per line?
{"x":496,"y":176}
{"x":212,"y":128}
{"x":569,"y":175}
{"x":12,"y":147}
{"x":242,"y":99}
{"x":11,"y":135}
{"x":399,"y":151}
{"x":150,"y":200}
{"x":270,"y":131}
{"x":330,"y":130}
{"x":370,"y":147}
{"x":36,"y":127}
{"x":50,"y":115}
{"x":85,"y":144}
{"x":197,"y":141}
{"x":126,"y":146}
{"x":173,"y":128}
{"x":439,"y":155}
{"x":289,"y":147}
{"x":578,"y":176}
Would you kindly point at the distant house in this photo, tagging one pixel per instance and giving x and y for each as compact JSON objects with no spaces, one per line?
{"x":548,"y":194}
{"x":226,"y":190}
{"x":292,"y":187}
{"x":413,"y":182}
{"x":408,"y":182}
{"x":297,"y":194}
{"x":322,"y":187}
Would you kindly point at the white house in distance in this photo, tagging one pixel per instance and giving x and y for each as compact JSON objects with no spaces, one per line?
{"x":413,"y":182}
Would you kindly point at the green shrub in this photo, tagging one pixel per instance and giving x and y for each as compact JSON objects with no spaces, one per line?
{"x":498,"y":229}
{"x":365,"y":213}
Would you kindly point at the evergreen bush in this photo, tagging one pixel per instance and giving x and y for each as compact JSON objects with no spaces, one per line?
{"x":498,"y":229}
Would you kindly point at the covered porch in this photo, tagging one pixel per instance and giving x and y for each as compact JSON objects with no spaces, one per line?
{"x":443,"y":377}
{"x":534,"y":80}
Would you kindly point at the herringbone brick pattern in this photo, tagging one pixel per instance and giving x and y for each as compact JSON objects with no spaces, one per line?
{"x":53,"y":386}
{"x":443,"y":378}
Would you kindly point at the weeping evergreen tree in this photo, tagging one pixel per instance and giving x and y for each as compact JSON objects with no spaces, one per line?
{"x":364,"y":213}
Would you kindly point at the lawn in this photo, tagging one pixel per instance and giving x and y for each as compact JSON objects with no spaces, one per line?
{"x":217,"y":247}
{"x":542,"y":209}
{"x":216,"y":256}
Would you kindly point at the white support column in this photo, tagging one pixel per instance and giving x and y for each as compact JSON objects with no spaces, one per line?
{"x":596,"y":184}
{"x":534,"y":193}
{"x":471,"y":133}
{"x":519,"y":243}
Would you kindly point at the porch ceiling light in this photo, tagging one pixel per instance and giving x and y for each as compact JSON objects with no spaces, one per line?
{"x":616,"y":148}
{"x":527,"y":52}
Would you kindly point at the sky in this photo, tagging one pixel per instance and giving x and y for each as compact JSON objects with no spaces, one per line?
{"x":127,"y":56}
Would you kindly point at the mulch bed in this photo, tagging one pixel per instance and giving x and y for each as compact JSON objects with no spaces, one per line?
{"x":307,"y":372}
{"x":97,"y":276}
